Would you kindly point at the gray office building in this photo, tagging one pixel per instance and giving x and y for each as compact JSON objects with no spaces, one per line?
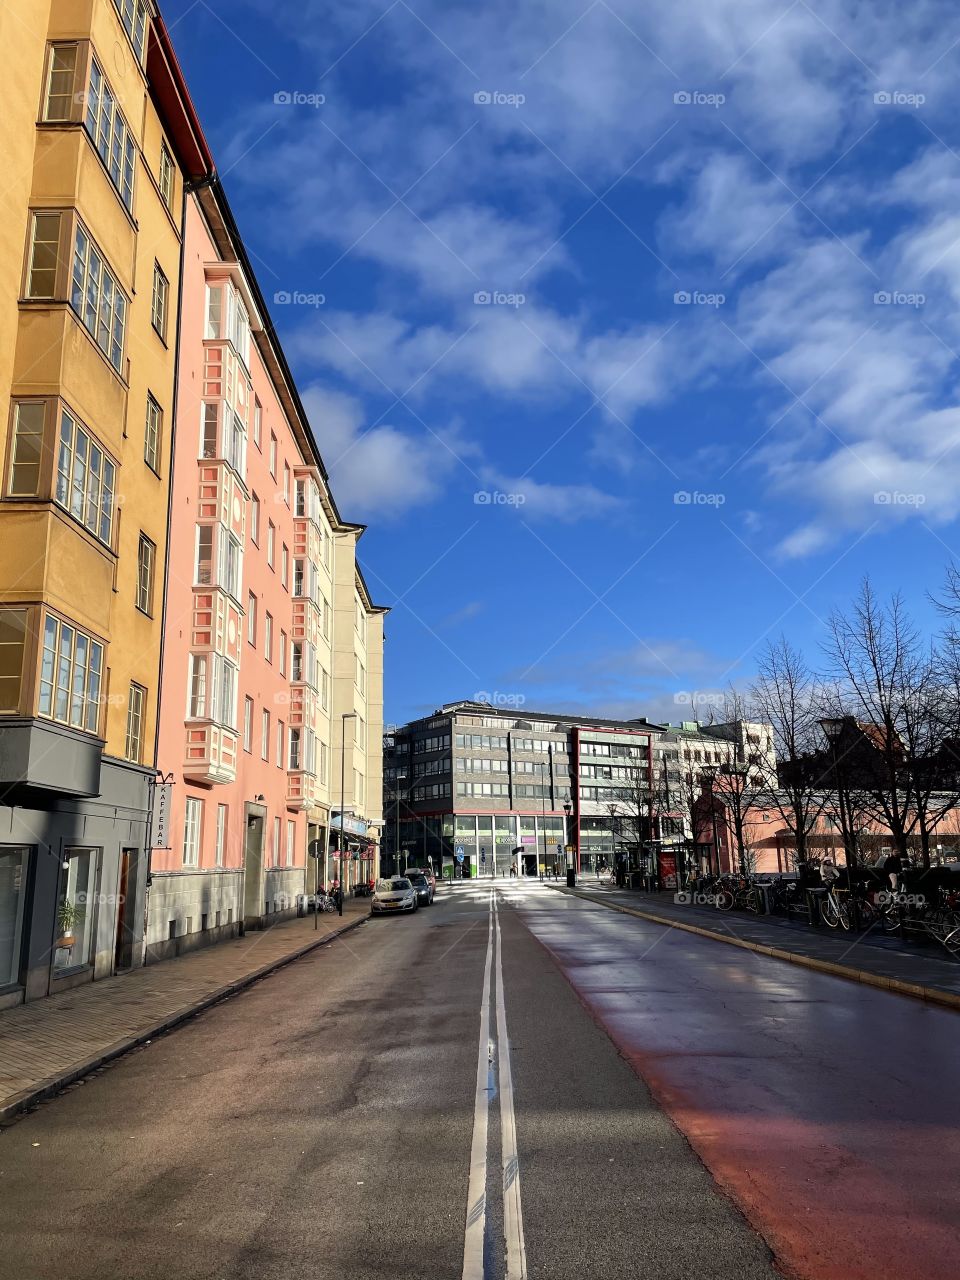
{"x":475,"y":788}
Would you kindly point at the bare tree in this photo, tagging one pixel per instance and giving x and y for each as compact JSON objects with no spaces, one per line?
{"x":880,"y":669}
{"x":786,"y":696}
{"x":743,"y":781}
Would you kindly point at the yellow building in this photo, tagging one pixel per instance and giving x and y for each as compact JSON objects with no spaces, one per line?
{"x":98,"y":144}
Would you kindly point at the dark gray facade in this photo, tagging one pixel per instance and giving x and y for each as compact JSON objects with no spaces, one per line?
{"x":73,"y":865}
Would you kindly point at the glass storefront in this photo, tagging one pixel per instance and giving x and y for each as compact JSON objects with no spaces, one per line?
{"x":14,"y":863}
{"x":76,"y":910}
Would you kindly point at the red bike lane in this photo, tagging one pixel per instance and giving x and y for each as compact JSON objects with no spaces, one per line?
{"x":827,"y":1110}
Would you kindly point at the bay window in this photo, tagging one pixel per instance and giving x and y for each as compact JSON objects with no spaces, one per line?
{"x":85,"y":479}
{"x":97,"y":299}
{"x":109,"y":133}
{"x":71,"y":670}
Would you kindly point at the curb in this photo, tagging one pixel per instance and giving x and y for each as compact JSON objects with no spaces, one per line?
{"x":51,"y":1085}
{"x":913,"y":989}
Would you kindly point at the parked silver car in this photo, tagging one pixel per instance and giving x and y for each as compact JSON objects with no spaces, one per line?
{"x":392,"y":896}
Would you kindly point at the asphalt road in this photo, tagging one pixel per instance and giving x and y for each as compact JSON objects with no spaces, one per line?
{"x":321,"y":1125}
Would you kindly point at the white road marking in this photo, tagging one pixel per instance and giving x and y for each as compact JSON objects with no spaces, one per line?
{"x":491,"y":1048}
{"x":516,"y":1254}
{"x":477,"y":1188}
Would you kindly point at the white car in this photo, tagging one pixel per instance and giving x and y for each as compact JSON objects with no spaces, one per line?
{"x":392,"y":896}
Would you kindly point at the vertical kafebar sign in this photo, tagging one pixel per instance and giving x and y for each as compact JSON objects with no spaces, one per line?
{"x":161,"y":815}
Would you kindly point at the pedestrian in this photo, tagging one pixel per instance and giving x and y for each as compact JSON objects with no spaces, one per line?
{"x":828,"y":872}
{"x":893,"y":867}
{"x":338,"y":896}
{"x":513,"y":868}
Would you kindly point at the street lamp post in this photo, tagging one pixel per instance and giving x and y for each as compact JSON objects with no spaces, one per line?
{"x":833,"y":732}
{"x":396,"y":839}
{"x":568,"y":844}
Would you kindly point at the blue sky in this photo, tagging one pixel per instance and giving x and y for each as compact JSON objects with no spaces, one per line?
{"x":630,"y":329}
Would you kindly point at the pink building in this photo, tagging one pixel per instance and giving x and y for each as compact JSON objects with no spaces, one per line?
{"x":257,"y":549}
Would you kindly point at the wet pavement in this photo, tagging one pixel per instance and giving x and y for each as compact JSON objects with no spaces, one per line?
{"x":828,"y":1110}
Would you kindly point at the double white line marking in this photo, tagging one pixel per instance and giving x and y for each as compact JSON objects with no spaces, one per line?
{"x":494,"y":1052}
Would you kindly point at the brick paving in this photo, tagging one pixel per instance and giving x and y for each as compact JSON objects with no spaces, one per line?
{"x":48,"y":1043}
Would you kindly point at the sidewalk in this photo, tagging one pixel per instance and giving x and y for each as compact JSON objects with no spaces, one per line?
{"x":913,"y":970}
{"x":48,"y":1043}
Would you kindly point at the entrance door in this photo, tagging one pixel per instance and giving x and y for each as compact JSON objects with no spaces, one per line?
{"x":122,"y":947}
{"x":253,"y":867}
{"x":529,"y":864}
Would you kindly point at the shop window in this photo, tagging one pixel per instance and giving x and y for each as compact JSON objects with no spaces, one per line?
{"x":76,"y":915}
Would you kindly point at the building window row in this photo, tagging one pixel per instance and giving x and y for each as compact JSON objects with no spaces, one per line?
{"x":482,"y":789}
{"x":469,"y":764}
{"x":430,"y":791}
{"x":614,"y":749}
{"x":110,"y":134}
{"x":427,"y":767}
{"x":437,"y":742}
{"x":541,"y":745}
{"x":478,"y":740}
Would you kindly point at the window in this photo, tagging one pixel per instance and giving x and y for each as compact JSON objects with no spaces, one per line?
{"x":229,"y":577}
{"x":61,"y":75}
{"x":239,"y":325}
{"x":97,"y":299}
{"x":268,"y":637}
{"x":223,"y":688}
{"x":286,"y":483}
{"x":158,"y":302}
{"x":257,"y":423}
{"x":109,"y":134}
{"x":13,"y":636}
{"x":324,"y":689}
{"x":271,"y":543}
{"x":358,"y":786}
{"x":14,"y":866}
{"x":221,"y":833}
{"x":76,"y":914}
{"x":214,"y":312}
{"x":248,"y":724}
{"x":291,"y":841}
{"x":204,"y":574}
{"x":165,"y":179}
{"x":361,"y":676}
{"x":192,"y":820}
{"x":151,"y":435}
{"x":85,"y":479}
{"x":255,"y":520}
{"x":285,"y":566}
{"x":133,"y":746}
{"x":323,"y":763}
{"x":273,"y":455}
{"x":296,"y":661}
{"x":326,"y":618}
{"x":44,"y":255}
{"x":281,"y":742}
{"x":251,"y":619}
{"x":146,"y":562}
{"x":197,"y":687}
{"x":70,"y":674}
{"x":283,"y":653}
{"x":209,"y":442}
{"x":276,"y":842}
{"x":133,"y":15}
{"x":264,"y":734}
{"x":27,"y":450}
{"x":294,"y":752}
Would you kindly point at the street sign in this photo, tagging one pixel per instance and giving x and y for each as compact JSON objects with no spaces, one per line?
{"x":161,"y":815}
{"x":483,"y":856}
{"x":459,"y":851}
{"x":460,"y":857}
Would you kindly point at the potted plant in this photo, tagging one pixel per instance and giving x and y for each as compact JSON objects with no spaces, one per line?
{"x":69,"y":915}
